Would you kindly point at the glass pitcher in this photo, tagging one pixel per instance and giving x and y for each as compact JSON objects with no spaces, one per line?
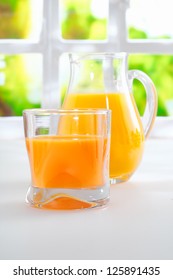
{"x":102,"y":80}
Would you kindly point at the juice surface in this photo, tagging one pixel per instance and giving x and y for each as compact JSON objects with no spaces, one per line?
{"x":67,"y":162}
{"x":127,"y":137}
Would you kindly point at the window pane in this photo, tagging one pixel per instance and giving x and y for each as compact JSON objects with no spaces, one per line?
{"x":150,"y":19}
{"x":160,"y":70}
{"x":20,"y":19}
{"x":20,"y":83}
{"x":83,"y":19}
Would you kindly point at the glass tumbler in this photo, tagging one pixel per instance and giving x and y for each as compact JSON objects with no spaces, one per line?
{"x":68,"y":153}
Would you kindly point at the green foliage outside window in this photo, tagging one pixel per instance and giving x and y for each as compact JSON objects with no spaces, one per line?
{"x":15,"y":23}
{"x":160,"y":70}
{"x":15,"y":19}
{"x":14,"y":95}
{"x":78,"y":22}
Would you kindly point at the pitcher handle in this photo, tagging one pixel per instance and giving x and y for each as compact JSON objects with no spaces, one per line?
{"x":151,"y":98}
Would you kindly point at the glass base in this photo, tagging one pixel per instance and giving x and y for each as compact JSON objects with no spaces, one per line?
{"x":120,"y":179}
{"x":67,"y":199}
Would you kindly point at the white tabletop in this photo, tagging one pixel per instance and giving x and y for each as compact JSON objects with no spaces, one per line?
{"x":137,"y":223}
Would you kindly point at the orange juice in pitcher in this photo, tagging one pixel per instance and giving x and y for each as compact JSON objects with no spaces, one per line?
{"x":100,"y":81}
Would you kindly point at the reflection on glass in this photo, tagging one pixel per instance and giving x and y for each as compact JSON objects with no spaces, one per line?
{"x":20,"y":83}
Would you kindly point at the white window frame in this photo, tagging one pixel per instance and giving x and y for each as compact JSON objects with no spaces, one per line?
{"x":52,"y":46}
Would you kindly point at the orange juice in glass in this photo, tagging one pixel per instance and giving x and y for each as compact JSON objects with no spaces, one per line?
{"x":68,"y":152}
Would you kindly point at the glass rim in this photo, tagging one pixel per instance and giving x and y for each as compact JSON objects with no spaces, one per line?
{"x":88,"y":111}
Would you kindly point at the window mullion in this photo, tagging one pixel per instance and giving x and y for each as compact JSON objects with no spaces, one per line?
{"x":11,"y":46}
{"x":51,"y":91}
{"x":149,"y":46}
{"x":117,"y":30}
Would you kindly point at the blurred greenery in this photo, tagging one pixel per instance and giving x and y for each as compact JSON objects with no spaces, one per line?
{"x":163,"y":80}
{"x":11,"y":3}
{"x":14,"y":93}
{"x":78,"y":22}
{"x":160,"y":70}
{"x":15,"y":19}
{"x":15,"y":23}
